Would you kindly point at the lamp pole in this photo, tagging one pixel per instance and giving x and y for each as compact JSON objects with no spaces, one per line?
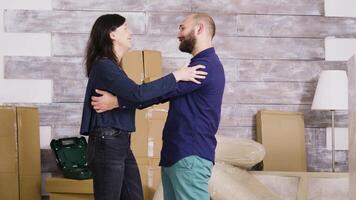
{"x":331,"y":94}
{"x":333,"y":139}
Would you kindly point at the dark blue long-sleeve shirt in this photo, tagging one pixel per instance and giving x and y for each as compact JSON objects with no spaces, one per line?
{"x":105,"y":75}
{"x":194,"y":113}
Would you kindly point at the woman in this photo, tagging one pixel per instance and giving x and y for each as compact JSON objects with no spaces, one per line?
{"x":115,"y":171}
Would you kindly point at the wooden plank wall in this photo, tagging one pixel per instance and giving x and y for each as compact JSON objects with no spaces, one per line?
{"x":272,"y":51}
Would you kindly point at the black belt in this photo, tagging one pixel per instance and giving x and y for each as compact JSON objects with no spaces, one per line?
{"x":108,"y":132}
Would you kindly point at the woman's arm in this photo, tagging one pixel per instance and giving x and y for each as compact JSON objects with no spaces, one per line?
{"x":111,"y":78}
{"x":107,"y":101}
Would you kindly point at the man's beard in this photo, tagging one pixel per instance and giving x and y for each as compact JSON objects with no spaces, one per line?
{"x":188,"y":43}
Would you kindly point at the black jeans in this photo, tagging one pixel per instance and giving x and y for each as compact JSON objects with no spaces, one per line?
{"x":115,"y":172}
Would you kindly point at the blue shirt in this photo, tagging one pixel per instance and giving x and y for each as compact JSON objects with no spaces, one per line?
{"x":194,"y":113}
{"x":106,"y":75}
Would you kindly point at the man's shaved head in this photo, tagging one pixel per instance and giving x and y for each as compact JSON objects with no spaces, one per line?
{"x":206,"y":20}
{"x":196,"y":31}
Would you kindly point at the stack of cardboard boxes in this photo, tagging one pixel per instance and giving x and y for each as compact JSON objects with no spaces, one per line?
{"x":146,"y":142}
{"x":20,"y":165}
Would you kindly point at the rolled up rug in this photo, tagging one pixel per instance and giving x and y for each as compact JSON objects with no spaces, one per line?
{"x":240,"y":152}
{"x":232,"y":183}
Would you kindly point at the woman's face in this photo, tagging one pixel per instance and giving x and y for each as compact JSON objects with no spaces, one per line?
{"x":122,"y":37}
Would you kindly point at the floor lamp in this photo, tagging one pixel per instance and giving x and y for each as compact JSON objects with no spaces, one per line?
{"x":331,"y":94}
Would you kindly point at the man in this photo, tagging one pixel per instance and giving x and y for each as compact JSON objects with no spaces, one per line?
{"x":189,"y":142}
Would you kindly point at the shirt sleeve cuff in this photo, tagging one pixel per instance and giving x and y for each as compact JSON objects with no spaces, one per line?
{"x":124,"y":104}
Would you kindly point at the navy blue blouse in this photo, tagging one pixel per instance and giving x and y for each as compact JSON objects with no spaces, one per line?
{"x":106,"y":75}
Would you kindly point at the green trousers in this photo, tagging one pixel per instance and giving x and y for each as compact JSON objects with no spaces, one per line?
{"x":187,"y":179}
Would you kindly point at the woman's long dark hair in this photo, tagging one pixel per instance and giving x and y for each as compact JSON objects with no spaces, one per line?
{"x":100,"y":44}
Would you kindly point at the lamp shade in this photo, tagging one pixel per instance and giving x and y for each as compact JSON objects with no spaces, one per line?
{"x":332,"y":91}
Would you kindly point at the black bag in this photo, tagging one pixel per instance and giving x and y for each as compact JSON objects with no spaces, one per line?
{"x":71,"y":157}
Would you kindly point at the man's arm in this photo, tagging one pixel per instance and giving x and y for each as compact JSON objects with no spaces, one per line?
{"x":184,"y":88}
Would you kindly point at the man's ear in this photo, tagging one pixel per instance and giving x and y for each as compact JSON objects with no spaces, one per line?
{"x":200,"y":28}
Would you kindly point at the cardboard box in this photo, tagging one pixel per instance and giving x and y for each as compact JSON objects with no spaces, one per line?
{"x":8,"y":141}
{"x":132,"y":63}
{"x":154,"y":176}
{"x":65,"y":185}
{"x":143,"y":166}
{"x":156,"y":116}
{"x":139,"y":65}
{"x":20,"y":154}
{"x":69,"y":189}
{"x":282,"y":134}
{"x":139,"y":139}
{"x":155,"y":137}
{"x":30,"y":187}
{"x":9,"y":172}
{"x":152,"y":63}
{"x":28,"y":141}
{"x":150,"y":175}
{"x":29,"y":153}
{"x":9,"y":186}
{"x":60,"y":196}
